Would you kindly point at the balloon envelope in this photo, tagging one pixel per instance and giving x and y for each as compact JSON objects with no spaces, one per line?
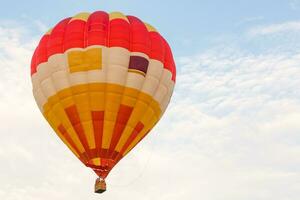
{"x":102,"y":81}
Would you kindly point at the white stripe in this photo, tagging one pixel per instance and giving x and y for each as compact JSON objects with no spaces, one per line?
{"x":40,"y":99}
{"x":54,"y":75}
{"x":167,"y":98}
{"x":48,"y":87}
{"x":164,"y":87}
{"x":135,"y":80}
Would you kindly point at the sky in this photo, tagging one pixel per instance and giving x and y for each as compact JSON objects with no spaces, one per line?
{"x":231,"y":131}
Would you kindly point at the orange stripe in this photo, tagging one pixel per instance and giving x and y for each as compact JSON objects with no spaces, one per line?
{"x":121,"y":122}
{"x":66,"y":135}
{"x":97,"y":117}
{"x":138,"y":128}
{"x":75,"y":121}
{"x":103,"y":154}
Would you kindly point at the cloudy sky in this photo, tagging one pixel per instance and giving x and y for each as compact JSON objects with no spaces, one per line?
{"x":231,"y":132}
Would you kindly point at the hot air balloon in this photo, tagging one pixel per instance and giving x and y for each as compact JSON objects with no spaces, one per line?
{"x":102,"y":81}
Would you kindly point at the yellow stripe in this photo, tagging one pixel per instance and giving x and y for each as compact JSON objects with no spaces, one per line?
{"x":137,"y":71}
{"x":56,"y":115}
{"x":149,"y":119}
{"x":117,"y":15}
{"x":149,"y":126}
{"x":81,"y":16}
{"x":144,"y":109}
{"x":150,"y":28}
{"x":96,"y":161}
{"x":113,"y":97}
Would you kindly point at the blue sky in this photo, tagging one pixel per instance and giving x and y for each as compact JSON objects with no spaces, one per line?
{"x":189,"y":26}
{"x":231,"y":131}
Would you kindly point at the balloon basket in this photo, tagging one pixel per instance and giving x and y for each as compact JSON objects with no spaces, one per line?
{"x":100,"y":185}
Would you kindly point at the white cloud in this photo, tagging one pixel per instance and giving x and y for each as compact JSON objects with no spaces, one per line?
{"x":231,"y":132}
{"x":275,"y":28}
{"x":241,"y":113}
